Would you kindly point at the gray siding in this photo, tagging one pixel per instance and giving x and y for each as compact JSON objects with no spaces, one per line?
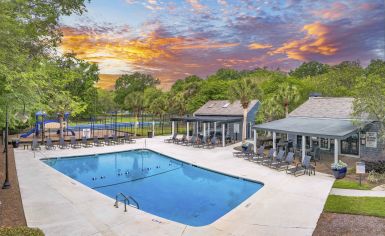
{"x":373,"y":153}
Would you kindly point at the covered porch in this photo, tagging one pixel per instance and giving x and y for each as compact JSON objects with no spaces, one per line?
{"x":225,"y":128}
{"x":310,"y":129}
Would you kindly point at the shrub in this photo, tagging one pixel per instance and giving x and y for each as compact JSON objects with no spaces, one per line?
{"x":20,"y":231}
{"x":375,"y":177}
{"x":339,"y":165}
{"x":375,"y":165}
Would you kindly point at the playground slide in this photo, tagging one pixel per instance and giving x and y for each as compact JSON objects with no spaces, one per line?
{"x":25,"y":135}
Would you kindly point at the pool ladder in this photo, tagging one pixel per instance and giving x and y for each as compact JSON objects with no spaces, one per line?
{"x":127,"y":201}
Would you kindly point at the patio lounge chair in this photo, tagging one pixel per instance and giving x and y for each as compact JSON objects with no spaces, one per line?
{"x":180,"y":140}
{"x":285,"y":163}
{"x":74,"y":143}
{"x":278,"y":159}
{"x":49,"y":145}
{"x":267,"y":158}
{"x":63,"y":144}
{"x":302,"y":168}
{"x":35,"y":145}
{"x":258,"y":155}
{"x":198,"y":142}
{"x":128,"y":139}
{"x":97,"y":143}
{"x":245,"y":153}
{"x":108,"y":141}
{"x":211,"y":144}
{"x":85,"y":142}
{"x":117,"y":140}
{"x":171,"y":140}
{"x":190,"y":141}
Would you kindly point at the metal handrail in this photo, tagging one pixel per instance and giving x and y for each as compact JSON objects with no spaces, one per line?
{"x":126,"y":201}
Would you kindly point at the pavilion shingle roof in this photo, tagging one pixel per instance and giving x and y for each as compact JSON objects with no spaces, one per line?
{"x":325,"y":107}
{"x":219,"y":108}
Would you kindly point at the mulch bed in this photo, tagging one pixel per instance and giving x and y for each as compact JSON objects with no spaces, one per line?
{"x":343,"y":224}
{"x":11,"y":207}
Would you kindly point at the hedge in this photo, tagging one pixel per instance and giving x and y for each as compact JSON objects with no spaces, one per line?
{"x":20,"y":231}
{"x":376,"y":165}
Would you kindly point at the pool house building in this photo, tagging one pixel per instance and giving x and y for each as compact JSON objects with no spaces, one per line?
{"x":219,"y":118}
{"x":327,"y":123}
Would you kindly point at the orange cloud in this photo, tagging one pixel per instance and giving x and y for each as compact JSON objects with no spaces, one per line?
{"x":315,"y":42}
{"x":256,"y":46}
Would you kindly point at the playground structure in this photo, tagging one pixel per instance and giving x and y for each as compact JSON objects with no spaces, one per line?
{"x":43,"y":124}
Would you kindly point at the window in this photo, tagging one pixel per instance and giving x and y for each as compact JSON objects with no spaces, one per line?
{"x":226,"y":105}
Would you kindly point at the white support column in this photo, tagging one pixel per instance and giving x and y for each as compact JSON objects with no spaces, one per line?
{"x":275,"y":142}
{"x":204,"y":129}
{"x":173,"y":128}
{"x":336,"y":150}
{"x":303,"y":147}
{"x":250,"y":130}
{"x":188,"y":130}
{"x":215,"y":128}
{"x":153,"y":128}
{"x":208,"y":129}
{"x":255,"y":140}
{"x":223,"y":134}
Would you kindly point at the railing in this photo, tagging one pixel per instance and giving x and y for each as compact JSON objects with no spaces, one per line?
{"x":126,"y":200}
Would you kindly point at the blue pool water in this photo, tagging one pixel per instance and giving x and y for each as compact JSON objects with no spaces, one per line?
{"x":161,"y":185}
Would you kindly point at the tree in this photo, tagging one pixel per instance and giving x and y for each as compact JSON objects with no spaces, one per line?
{"x":135,"y":103}
{"x":307,"y":69}
{"x":61,"y":102}
{"x":135,"y":82}
{"x":370,"y":100}
{"x":286,"y":95}
{"x":376,"y":67}
{"x":244,"y":90}
{"x":105,"y":101}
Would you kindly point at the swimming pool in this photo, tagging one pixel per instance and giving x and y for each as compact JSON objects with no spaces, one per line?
{"x":161,"y":185}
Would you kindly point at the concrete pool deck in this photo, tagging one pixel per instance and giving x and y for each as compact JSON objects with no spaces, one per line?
{"x":59,"y":205}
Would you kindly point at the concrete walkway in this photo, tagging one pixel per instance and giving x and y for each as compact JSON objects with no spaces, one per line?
{"x":357,"y":193}
{"x":59,"y":205}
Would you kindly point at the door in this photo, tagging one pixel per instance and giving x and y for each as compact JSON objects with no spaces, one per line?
{"x":350,"y":145}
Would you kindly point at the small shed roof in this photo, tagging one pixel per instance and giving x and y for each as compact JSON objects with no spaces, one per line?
{"x":223,"y":108}
{"x":318,"y":127}
{"x":219,"y":119}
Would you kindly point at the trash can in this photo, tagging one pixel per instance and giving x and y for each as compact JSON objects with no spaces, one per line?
{"x":15,"y":143}
{"x":149,"y":134}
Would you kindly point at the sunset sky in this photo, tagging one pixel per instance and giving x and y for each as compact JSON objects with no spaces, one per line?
{"x":172,"y":39}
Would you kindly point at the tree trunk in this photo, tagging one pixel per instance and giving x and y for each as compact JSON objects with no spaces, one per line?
{"x":244,"y":126}
{"x":61,"y":126}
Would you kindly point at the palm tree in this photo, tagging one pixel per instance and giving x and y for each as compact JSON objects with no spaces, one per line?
{"x":134,"y":102}
{"x":271,"y":109}
{"x":244,"y":90}
{"x":286,"y":95}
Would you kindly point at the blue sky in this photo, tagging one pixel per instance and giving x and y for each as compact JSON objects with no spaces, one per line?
{"x":176,"y":38}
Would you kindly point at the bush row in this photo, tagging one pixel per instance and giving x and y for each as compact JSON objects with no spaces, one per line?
{"x":20,"y":231}
{"x":377,"y":166}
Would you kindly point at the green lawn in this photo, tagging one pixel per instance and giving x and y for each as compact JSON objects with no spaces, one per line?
{"x":371,"y":206}
{"x":350,"y":184}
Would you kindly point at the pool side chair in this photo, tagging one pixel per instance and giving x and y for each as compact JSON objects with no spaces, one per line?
{"x":63,"y":144}
{"x":117,"y":140}
{"x":189,"y":141}
{"x":49,"y":144}
{"x":171,"y":140}
{"x":259,"y":155}
{"x":85,"y":142}
{"x":278,"y":159}
{"x":301,"y":168}
{"x":286,"y":163}
{"x":266,"y":160}
{"x":128,"y":138}
{"x":197,"y":143}
{"x":35,"y":145}
{"x":211,"y":143}
{"x":245,"y":153}
{"x":97,"y":142}
{"x":74,"y":143}
{"x":180,"y":140}
{"x":108,"y":141}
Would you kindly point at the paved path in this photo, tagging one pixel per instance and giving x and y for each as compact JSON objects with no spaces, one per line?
{"x":357,"y":193}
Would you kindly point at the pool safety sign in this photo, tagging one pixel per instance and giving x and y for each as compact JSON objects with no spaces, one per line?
{"x":371,"y":139}
{"x":360,"y":167}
